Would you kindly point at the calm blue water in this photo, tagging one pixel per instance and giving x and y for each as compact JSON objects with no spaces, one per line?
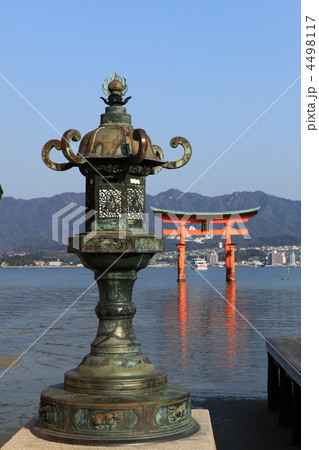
{"x":206,"y":333}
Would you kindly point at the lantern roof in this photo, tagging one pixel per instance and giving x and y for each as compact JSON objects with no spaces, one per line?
{"x":115,"y":143}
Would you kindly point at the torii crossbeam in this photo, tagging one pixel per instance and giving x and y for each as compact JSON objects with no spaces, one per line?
{"x":226,"y":219}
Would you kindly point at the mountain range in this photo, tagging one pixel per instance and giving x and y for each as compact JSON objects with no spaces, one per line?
{"x":26,"y":225}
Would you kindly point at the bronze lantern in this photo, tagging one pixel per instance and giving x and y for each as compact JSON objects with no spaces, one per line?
{"x":115,"y":394}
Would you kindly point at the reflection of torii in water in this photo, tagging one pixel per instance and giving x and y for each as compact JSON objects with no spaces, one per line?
{"x":226,"y":220}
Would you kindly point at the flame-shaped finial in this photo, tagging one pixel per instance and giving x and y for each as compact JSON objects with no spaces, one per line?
{"x":115,"y":87}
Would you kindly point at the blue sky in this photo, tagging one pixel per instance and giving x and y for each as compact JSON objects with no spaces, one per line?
{"x":205,"y":70}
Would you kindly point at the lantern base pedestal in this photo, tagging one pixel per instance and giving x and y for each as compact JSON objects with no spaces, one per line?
{"x":93,"y":419}
{"x":203,"y":439}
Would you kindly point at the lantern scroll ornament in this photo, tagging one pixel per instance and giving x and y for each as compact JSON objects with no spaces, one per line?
{"x":115,"y":393}
{"x":121,"y":143}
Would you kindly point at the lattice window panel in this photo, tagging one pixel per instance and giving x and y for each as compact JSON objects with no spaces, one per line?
{"x":110,"y":203}
{"x":135,"y":203}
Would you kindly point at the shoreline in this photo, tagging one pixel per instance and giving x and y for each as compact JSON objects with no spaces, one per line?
{"x":156,"y":266}
{"x":44,"y":267}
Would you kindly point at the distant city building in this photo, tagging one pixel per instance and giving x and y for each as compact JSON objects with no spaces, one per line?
{"x":220,"y":245}
{"x":55,"y":263}
{"x":292,"y":259}
{"x":213,"y":258}
{"x":39,"y":263}
{"x":275,"y":259}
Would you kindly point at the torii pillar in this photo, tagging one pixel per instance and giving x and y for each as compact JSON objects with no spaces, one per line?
{"x":230,"y":261}
{"x":181,"y":275}
{"x":229,"y":256}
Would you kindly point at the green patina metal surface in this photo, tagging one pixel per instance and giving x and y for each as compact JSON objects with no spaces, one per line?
{"x":115,"y":394}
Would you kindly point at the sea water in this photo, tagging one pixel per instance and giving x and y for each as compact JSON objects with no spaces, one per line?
{"x":206,"y":334}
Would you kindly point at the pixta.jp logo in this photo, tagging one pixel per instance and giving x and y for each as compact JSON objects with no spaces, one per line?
{"x":68,"y":221}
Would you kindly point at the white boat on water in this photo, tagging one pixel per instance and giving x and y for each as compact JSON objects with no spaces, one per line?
{"x":199,"y":264}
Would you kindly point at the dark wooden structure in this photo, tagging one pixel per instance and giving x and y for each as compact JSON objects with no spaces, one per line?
{"x":284,"y":382}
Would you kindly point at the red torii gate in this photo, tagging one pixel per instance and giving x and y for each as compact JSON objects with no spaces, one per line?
{"x":228,"y":219}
